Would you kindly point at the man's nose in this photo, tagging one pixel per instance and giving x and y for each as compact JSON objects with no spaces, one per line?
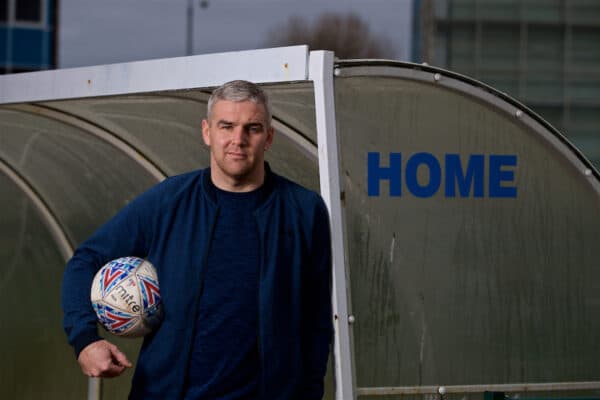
{"x":239,"y":135}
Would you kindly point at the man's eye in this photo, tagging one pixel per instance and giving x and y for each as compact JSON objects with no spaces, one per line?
{"x":254,"y":129}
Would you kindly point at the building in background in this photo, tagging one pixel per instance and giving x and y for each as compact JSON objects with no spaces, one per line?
{"x":28,"y":35}
{"x":545,"y":53}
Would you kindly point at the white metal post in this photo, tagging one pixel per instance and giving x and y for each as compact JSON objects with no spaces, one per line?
{"x":321,"y":73}
{"x":94,"y":389}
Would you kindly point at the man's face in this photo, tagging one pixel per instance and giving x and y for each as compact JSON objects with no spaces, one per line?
{"x":238,"y":134}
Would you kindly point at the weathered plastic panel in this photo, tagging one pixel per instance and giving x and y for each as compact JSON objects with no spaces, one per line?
{"x":465,"y":288}
{"x":36,"y":361}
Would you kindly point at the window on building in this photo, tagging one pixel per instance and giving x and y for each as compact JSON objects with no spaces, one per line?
{"x":3,"y":10}
{"x":20,"y":70}
{"x":28,"y":10}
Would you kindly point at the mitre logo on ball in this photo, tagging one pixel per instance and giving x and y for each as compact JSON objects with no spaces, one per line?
{"x":126,"y":297}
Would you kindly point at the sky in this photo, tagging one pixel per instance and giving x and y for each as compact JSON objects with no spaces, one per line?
{"x":96,"y":32}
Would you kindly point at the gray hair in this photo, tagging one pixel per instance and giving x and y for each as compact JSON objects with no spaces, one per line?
{"x":239,"y":91}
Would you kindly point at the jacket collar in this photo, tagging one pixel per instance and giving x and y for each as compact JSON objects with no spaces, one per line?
{"x":268,"y":184}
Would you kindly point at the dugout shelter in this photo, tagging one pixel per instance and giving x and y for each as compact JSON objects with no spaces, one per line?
{"x":465,"y":226}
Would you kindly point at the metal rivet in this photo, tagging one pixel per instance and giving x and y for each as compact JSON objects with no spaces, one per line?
{"x":587,"y":172}
{"x":437,"y":77}
{"x":519,"y":114}
{"x":337,"y":72}
{"x":351,"y":319}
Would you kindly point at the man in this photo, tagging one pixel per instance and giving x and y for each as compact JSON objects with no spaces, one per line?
{"x":243,"y":259}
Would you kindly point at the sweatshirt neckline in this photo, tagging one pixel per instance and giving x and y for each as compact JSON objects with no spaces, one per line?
{"x":266,"y":189}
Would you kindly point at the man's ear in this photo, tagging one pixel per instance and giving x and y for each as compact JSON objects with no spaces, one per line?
{"x":206,"y":132}
{"x":270,"y":134}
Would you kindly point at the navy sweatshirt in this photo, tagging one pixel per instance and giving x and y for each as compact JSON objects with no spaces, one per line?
{"x":224,"y":362}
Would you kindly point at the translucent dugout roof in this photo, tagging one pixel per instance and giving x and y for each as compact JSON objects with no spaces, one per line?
{"x":464,"y":225}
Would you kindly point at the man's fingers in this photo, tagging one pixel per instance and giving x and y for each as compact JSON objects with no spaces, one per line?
{"x":108,"y":372}
{"x":107,"y":369}
{"x":113,"y":370}
{"x":120,"y":357}
{"x":103,"y":359}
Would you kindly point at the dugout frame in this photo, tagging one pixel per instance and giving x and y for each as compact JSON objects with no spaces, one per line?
{"x":293,"y":65}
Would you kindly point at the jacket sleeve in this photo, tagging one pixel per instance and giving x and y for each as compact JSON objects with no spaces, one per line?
{"x":126,"y":234}
{"x":317,"y":310}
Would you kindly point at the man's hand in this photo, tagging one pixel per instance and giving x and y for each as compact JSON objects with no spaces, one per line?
{"x":102,"y":359}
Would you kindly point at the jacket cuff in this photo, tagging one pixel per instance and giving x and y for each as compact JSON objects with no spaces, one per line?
{"x":83,"y":340}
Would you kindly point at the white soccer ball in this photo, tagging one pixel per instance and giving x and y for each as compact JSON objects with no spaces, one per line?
{"x":126,"y":297}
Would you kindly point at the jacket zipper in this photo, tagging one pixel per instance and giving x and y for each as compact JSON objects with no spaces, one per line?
{"x":258,"y":319}
{"x":200,"y":291}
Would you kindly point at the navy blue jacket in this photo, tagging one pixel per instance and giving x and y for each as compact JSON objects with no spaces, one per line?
{"x":171,"y":225}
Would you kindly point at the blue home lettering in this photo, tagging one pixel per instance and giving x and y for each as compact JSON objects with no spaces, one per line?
{"x":460,"y":178}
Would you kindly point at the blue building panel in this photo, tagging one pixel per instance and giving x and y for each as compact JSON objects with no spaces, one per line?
{"x":27,"y":47}
{"x":51,"y":11}
{"x":3,"y":34}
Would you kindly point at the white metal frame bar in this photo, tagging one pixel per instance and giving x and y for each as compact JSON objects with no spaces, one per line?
{"x":321,"y":73}
{"x":459,"y":389}
{"x":281,"y":64}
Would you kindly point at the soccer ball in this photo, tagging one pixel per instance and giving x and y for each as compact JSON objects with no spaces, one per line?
{"x":126,"y":297}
